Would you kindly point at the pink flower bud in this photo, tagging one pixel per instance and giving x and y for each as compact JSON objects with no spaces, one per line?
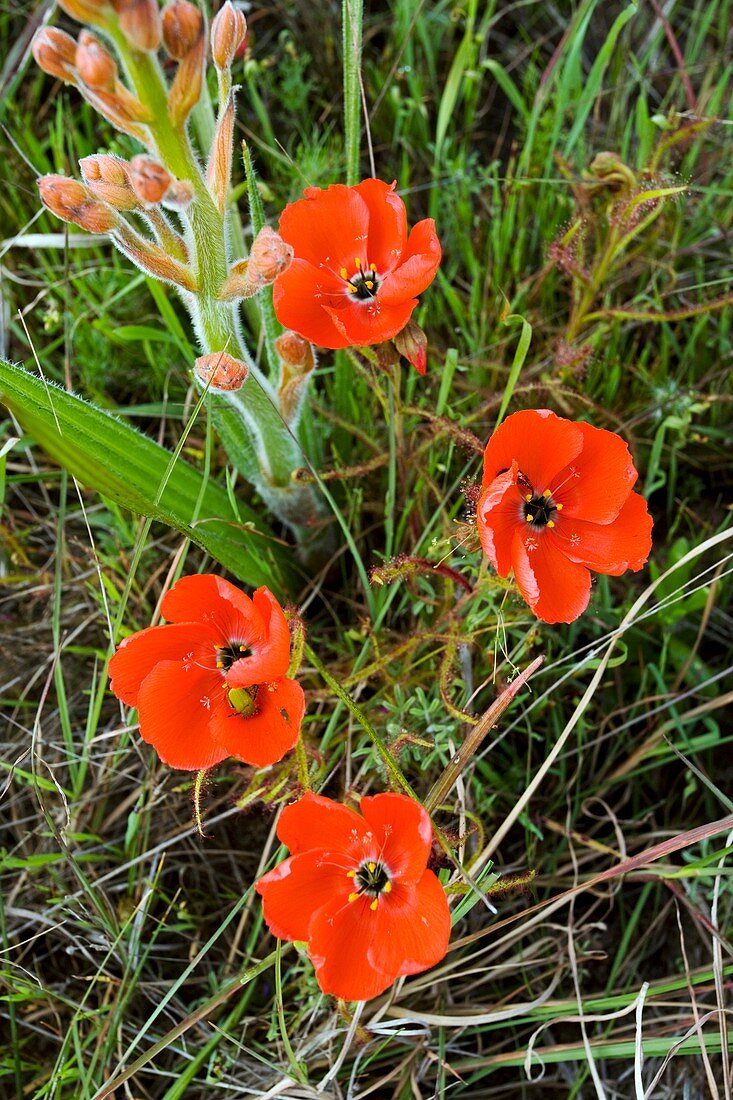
{"x":221,"y":371}
{"x":150,"y":181}
{"x":413,"y":344}
{"x":228,"y":34}
{"x":183,"y":25}
{"x":108,"y":178}
{"x":73,"y":202}
{"x":268,"y":257}
{"x":55,"y":52}
{"x":95,"y":65}
{"x":294,"y":350}
{"x":140,"y":23}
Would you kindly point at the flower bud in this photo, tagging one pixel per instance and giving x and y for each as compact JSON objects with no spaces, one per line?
{"x":219,"y":168}
{"x":73,"y":202}
{"x":228,"y":34}
{"x":108,"y":178}
{"x":55,"y":53}
{"x":150,"y":257}
{"x":269,"y":256}
{"x":413,"y":344}
{"x":95,"y":65}
{"x":150,"y":181}
{"x":178,"y":196}
{"x":140,"y":22}
{"x":294,"y":350}
{"x":94,"y":12}
{"x":296,"y":363}
{"x":186,"y":88}
{"x":221,"y":371}
{"x":183,"y":25}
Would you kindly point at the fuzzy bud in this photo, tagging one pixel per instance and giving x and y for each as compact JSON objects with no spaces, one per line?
{"x":220,"y":371}
{"x":150,"y":257}
{"x":73,"y":202}
{"x":183,"y":25}
{"x":140,"y":23}
{"x":55,"y":53}
{"x":228,"y":35}
{"x":219,"y":168}
{"x":95,"y":65}
{"x":269,"y":256}
{"x":95,"y":12}
{"x":150,"y":181}
{"x":178,"y":196}
{"x":186,"y":88}
{"x":297,"y":361}
{"x":108,"y":178}
{"x":413,"y":344}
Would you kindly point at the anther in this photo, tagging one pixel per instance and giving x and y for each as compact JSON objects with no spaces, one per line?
{"x":528,"y":497}
{"x":343,"y":273}
{"x":369,"y":284}
{"x":559,"y":507}
{"x":372,"y":267}
{"x":529,"y":519}
{"x":220,"y":664}
{"x":353,"y":897}
{"x":357,"y":261}
{"x":550,"y":523}
{"x":351,"y":288}
{"x":242,"y":649}
{"x":547,"y":493}
{"x":372,"y":867}
{"x":387,"y":888}
{"x":351,"y":874}
{"x":374,"y":904}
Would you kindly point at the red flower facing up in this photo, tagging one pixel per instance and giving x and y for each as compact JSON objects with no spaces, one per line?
{"x":557,"y":501}
{"x":356,"y":274}
{"x":211,"y":683}
{"x":357,"y":890}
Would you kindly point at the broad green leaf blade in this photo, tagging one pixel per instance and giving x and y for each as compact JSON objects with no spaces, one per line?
{"x":106,"y":454}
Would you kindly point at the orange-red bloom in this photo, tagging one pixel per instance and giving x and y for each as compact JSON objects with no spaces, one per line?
{"x":557,"y":501}
{"x":212,"y":683}
{"x":356,"y":273}
{"x":357,"y":890}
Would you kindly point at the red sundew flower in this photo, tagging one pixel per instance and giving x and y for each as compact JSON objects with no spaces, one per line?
{"x":356,"y":274}
{"x":357,"y":890}
{"x":211,"y":683}
{"x":557,"y":501}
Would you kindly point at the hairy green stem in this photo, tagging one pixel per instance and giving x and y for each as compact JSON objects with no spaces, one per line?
{"x":352,"y":18}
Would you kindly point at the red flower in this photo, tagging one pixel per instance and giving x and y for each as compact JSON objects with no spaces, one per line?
{"x":212,"y":684}
{"x":356,"y":274}
{"x":556,"y":501}
{"x":357,"y":890}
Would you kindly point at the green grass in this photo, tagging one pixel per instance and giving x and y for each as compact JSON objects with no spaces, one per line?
{"x":125,"y":935}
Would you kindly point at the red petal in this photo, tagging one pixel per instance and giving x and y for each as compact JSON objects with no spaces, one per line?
{"x":207,"y":598}
{"x":299,"y":296}
{"x":137,"y":655}
{"x":614,"y":547}
{"x":317,"y":822}
{"x":387,"y":224}
{"x":271,"y":656}
{"x":371,"y":321}
{"x":328,"y":228}
{"x":419,"y":265}
{"x":265,"y":737}
{"x":175,"y":709}
{"x":540,"y":442}
{"x":403,"y":832}
{"x":296,"y":889}
{"x":598,"y":484}
{"x":556,"y":588}
{"x":413,"y":928}
{"x":499,"y":515}
{"x":339,"y":945}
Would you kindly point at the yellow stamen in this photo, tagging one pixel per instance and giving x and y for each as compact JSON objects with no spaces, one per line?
{"x":374,"y":904}
{"x":529,"y":519}
{"x":351,"y":874}
{"x":353,"y":897}
{"x":528,"y":497}
{"x":547,"y":493}
{"x":343,"y":273}
{"x":351,"y":289}
{"x":357,"y":261}
{"x":559,"y":507}
{"x":220,"y":664}
{"x":369,"y":284}
{"x":387,"y":888}
{"x":372,"y":867}
{"x":372,"y":267}
{"x":550,"y":523}
{"x":242,"y":649}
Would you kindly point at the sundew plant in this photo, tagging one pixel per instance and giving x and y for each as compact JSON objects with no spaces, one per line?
{"x":365,"y":552}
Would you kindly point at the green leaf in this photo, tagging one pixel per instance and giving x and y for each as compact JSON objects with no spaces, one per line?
{"x":114,"y":458}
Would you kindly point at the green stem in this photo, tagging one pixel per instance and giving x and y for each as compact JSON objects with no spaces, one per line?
{"x":352,"y":19}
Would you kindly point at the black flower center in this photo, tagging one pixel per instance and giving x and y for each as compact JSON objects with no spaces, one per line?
{"x":227,"y":654}
{"x":540,"y":511}
{"x":371,"y":878}
{"x":364,"y":283}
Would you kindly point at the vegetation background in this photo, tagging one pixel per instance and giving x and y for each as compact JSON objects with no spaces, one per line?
{"x":124,"y":932}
